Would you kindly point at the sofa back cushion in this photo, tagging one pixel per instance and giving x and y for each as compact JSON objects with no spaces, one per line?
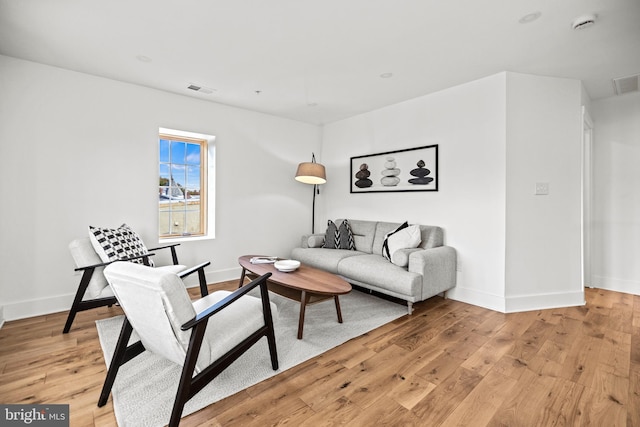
{"x":432,"y":236}
{"x":363,"y":232}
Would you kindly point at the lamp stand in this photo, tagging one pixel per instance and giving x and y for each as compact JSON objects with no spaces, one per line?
{"x":313,"y":209}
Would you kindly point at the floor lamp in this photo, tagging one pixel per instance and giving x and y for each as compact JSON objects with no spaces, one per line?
{"x":312,"y":173}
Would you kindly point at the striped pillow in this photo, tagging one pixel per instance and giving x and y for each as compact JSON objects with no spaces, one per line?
{"x":339,"y":237}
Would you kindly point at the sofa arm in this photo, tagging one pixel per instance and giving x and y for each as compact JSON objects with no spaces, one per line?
{"x":437,"y":267}
{"x":312,"y":240}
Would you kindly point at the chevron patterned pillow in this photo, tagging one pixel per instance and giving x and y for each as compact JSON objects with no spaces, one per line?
{"x":339,"y":237}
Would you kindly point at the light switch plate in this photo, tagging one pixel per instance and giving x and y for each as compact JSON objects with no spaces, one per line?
{"x":542,"y":188}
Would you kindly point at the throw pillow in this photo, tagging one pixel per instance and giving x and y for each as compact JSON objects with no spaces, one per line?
{"x":385,"y":244}
{"x":330,"y":241}
{"x":346,"y":236}
{"x":404,"y":237}
{"x":339,"y":237}
{"x":114,"y":244}
{"x":315,"y":240}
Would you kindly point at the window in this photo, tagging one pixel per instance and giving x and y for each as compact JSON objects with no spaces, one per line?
{"x":182,"y":207}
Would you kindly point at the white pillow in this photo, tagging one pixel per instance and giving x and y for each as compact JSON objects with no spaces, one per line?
{"x":406,"y":238}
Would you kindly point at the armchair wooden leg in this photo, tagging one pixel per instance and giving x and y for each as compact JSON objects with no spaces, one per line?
{"x":268,"y":320}
{"x":184,"y":386}
{"x":174,"y":256}
{"x":82,"y":288}
{"x":121,"y":355}
{"x":70,"y":318}
{"x":204,"y":291}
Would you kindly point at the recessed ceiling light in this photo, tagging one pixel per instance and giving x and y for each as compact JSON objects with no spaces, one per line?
{"x":583,"y":21}
{"x":143,"y":58}
{"x":312,"y":104}
{"x":386,"y":75}
{"x":530,"y":17}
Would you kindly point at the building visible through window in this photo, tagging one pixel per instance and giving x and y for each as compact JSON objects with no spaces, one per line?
{"x":182,"y":189}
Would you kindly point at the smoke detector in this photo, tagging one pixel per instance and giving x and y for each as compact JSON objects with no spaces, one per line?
{"x":628,"y":84}
{"x":200,"y":89}
{"x":583,"y":21}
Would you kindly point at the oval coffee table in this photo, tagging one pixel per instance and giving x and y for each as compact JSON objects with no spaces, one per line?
{"x":306,"y":285}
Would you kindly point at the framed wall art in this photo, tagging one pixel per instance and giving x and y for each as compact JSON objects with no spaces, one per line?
{"x":412,"y":169}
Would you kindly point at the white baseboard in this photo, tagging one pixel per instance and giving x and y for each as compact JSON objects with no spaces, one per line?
{"x":1,"y":316}
{"x":474,"y":297}
{"x":519,"y":303}
{"x":618,"y":285}
{"x":55,"y":304}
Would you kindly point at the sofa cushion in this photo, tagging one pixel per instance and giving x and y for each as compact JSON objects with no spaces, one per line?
{"x":373,"y":270}
{"x":363,"y":232}
{"x":324,"y":259}
{"x":382,"y":229}
{"x":432,"y":236}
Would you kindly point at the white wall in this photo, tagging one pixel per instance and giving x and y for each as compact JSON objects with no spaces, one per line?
{"x":78,"y":150}
{"x":616,"y":210}
{"x":497,"y":136}
{"x":543,"y":246}
{"x":468,"y":124}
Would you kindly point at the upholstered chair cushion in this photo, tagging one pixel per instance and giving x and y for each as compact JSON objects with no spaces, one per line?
{"x":157,"y":305}
{"x":83,"y":255}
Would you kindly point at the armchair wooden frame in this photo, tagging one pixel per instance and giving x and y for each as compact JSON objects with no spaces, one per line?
{"x":88,"y":271}
{"x":190,"y":385}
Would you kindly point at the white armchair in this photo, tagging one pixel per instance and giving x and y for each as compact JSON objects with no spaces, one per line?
{"x":94,"y":291}
{"x":204,"y":336}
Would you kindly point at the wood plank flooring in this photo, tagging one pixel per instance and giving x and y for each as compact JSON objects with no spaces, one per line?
{"x":449,"y":364}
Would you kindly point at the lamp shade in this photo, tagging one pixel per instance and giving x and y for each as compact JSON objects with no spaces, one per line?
{"x":311,"y":173}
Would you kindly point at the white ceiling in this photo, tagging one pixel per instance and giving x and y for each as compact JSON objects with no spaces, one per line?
{"x":320,"y":61}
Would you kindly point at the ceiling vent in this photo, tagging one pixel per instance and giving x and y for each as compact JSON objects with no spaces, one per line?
{"x":628,"y":84}
{"x":583,"y":21}
{"x":200,"y":89}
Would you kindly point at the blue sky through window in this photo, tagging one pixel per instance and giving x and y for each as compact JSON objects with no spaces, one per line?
{"x":182,"y":161}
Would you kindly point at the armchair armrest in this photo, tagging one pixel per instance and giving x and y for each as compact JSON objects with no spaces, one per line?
{"x":437,"y":267}
{"x":220,"y":305}
{"x":174,"y":255}
{"x":104,"y":264}
{"x":204,"y":291}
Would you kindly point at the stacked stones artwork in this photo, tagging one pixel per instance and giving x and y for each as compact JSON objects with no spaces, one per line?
{"x":421,"y":173}
{"x":362,"y":176}
{"x":390,"y":173}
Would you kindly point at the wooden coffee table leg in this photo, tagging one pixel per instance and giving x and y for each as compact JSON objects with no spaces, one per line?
{"x":304,"y":299}
{"x":335,"y":297}
{"x":244,"y":271}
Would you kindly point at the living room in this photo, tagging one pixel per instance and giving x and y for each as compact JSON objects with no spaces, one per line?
{"x":79,"y":149}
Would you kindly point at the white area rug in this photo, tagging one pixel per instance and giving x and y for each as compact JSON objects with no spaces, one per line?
{"x":145,"y":387}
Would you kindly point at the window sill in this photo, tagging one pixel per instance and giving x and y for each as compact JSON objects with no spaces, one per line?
{"x":185,"y":239}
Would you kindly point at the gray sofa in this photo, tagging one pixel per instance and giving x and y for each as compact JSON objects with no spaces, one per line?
{"x":430,"y":268}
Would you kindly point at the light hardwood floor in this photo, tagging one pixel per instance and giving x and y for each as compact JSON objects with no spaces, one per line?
{"x":449,"y":364}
